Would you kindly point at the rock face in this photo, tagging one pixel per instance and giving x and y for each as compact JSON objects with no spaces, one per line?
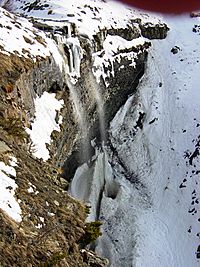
{"x":109,"y":92}
{"x":93,"y":73}
{"x":151,"y":31}
{"x":128,"y":78}
{"x":146,"y":177}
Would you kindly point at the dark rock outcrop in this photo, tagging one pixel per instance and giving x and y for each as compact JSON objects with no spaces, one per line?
{"x":150,"y":31}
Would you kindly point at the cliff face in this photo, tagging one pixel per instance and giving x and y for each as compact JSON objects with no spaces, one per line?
{"x":41,"y":225}
{"x":146,"y":177}
{"x":61,"y":85}
{"x":102,"y":68}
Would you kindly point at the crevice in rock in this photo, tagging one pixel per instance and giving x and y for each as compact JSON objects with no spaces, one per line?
{"x":132,"y":177}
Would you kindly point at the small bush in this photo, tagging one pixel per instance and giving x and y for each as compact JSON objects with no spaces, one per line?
{"x":54,"y":260}
{"x":14,"y":127}
{"x":87,"y":209}
{"x":92,"y":232}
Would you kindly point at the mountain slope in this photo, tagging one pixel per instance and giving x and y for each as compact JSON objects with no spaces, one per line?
{"x":160,"y":202}
{"x":149,"y":174}
{"x":125,"y":105}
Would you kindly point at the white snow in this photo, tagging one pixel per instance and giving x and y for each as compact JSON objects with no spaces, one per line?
{"x":152,"y":218}
{"x":41,"y":219}
{"x":150,"y":199}
{"x":44,"y":123}
{"x":18,"y":36}
{"x":31,"y":189}
{"x":111,"y":52}
{"x":114,"y":43}
{"x":166,"y":239}
{"x":160,"y":210}
{"x":50,"y":214}
{"x":38,"y":226}
{"x":54,"y":50}
{"x":88,"y":15}
{"x":8,"y":203}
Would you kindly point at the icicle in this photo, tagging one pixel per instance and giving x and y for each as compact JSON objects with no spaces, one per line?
{"x":71,"y":64}
{"x":75,"y":56}
{"x":71,"y":51}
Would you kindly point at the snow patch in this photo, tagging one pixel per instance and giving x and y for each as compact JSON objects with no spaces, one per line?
{"x":44,"y":124}
{"x":31,"y":189}
{"x":8,"y":203}
{"x":111,"y":53}
{"x":19,"y":37}
{"x":89,"y":15}
{"x":159,"y":187}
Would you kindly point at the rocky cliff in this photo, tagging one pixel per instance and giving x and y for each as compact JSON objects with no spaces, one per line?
{"x":72,"y":118}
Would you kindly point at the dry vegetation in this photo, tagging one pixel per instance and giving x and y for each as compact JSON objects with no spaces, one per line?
{"x":11,"y":67}
{"x":53,"y":231}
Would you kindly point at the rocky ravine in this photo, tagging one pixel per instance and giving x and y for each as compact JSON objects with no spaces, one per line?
{"x":66,"y":83}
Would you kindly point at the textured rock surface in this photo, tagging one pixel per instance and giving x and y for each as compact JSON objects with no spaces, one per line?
{"x":52,"y":222}
{"x":121,"y":85}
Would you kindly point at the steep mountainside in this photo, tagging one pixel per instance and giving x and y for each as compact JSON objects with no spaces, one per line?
{"x":155,"y":161}
{"x":100,"y":102}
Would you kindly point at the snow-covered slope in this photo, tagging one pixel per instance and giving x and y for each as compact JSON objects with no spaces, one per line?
{"x":145,"y":185}
{"x":18,"y":36}
{"x":154,"y":220}
{"x":171,"y":227}
{"x":149,"y":172}
{"x":89,"y":15}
